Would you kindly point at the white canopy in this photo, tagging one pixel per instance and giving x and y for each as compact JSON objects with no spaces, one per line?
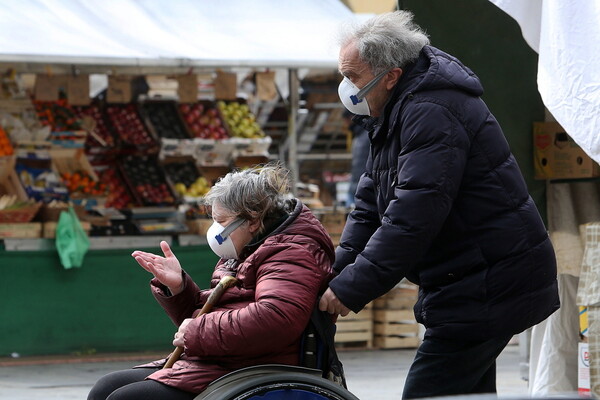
{"x":184,"y":33}
{"x":566,"y":35}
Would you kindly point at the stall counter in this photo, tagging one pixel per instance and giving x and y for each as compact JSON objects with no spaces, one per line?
{"x":104,"y":306}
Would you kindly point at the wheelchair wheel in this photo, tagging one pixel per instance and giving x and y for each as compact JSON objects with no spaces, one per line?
{"x":276,"y":383}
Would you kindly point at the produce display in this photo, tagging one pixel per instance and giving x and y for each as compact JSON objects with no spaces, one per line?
{"x":240,"y":121}
{"x":82,"y":184}
{"x":58,"y":115}
{"x":6,"y":148}
{"x":103,"y":156}
{"x":164,"y":118}
{"x":118,"y":194}
{"x":184,"y":172}
{"x":198,"y":188}
{"x":98,"y":125}
{"x":147,"y":180}
{"x":13,"y":210}
{"x":203,"y":121}
{"x":128,"y":125}
{"x":42,"y":184}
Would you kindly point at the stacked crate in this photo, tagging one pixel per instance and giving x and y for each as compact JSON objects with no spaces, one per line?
{"x":394,"y":324}
{"x":355,"y":330}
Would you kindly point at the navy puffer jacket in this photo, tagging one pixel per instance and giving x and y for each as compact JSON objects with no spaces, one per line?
{"x":443,"y":203}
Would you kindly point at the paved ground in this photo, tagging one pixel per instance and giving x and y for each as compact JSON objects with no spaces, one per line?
{"x":371,"y":374}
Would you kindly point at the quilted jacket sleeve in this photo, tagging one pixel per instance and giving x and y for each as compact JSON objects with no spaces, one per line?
{"x":287,"y":285}
{"x":429,"y":171}
{"x":361,"y":224}
{"x":180,"y":306}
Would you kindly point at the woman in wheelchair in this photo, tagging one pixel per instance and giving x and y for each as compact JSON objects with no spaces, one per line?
{"x":281,"y":258}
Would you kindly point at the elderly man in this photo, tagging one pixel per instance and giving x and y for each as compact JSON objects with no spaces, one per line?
{"x":442,"y":203}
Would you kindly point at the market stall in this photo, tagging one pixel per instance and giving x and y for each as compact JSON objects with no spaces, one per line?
{"x":132,"y":165}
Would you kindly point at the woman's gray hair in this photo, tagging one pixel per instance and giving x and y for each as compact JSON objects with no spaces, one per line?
{"x":253,"y":193}
{"x":386,"y":41}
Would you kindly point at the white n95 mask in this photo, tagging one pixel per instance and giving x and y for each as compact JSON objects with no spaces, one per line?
{"x":353,"y":98}
{"x":219,"y":240}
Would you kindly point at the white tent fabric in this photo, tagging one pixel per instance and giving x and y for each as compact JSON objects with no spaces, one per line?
{"x":271,"y":33}
{"x":566,"y":35}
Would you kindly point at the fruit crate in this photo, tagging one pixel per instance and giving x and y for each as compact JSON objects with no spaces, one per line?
{"x":146,"y":180}
{"x":203,"y":120}
{"x":100,"y":136}
{"x":182,"y":175}
{"x":119,"y":193}
{"x":129,"y":127}
{"x":24,"y":213}
{"x":239,"y":120}
{"x":163,"y":119}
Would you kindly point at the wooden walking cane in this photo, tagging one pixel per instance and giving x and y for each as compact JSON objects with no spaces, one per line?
{"x":225,"y":283}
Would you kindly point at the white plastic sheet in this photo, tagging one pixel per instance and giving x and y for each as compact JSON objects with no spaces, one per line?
{"x":260,"y":32}
{"x":566,"y":35}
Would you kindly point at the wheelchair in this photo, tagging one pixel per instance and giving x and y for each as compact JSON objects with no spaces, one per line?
{"x":320,"y":376}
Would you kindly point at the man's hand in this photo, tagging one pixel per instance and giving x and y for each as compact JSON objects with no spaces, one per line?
{"x":330,"y":303}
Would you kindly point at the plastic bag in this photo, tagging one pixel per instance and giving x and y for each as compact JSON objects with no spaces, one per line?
{"x":72,"y":242}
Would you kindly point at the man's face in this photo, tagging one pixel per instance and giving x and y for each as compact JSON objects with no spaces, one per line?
{"x":351,"y":66}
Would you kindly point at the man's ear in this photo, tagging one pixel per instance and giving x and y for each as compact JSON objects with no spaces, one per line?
{"x":393,"y":76}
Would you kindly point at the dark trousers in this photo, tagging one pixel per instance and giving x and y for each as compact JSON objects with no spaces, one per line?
{"x":444,"y":367}
{"x":131,"y":384}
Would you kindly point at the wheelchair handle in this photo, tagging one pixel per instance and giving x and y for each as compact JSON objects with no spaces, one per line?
{"x":225,"y":283}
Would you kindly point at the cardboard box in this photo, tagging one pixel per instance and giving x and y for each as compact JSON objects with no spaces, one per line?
{"x":211,"y":152}
{"x":70,"y":161}
{"x":583,"y":368}
{"x":557,"y":156}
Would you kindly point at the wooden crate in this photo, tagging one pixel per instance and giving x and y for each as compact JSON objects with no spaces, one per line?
{"x":21,"y":230}
{"x":395,"y":329}
{"x":49,"y":229}
{"x":355,"y":330}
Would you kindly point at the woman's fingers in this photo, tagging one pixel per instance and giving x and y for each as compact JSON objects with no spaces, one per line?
{"x":144,"y":264}
{"x":166,"y":249}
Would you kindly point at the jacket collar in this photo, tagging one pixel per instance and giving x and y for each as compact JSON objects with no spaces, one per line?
{"x":370,"y":123}
{"x":276,"y":227}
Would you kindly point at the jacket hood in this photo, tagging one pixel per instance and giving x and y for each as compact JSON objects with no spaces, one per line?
{"x":301,"y":222}
{"x":436,"y":70}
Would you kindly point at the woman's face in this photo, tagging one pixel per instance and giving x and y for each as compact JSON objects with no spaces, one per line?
{"x":243,"y":234}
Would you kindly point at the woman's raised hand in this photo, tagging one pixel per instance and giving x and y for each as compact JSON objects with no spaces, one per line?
{"x":166,"y":269}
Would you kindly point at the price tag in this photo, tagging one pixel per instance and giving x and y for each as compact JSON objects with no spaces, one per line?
{"x":119,"y":89}
{"x":46,"y":87}
{"x":78,"y":90}
{"x":187,"y":88}
{"x":265,"y":86}
{"x":225,"y":86}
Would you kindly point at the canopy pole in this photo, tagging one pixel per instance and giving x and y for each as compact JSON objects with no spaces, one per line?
{"x":293,"y":128}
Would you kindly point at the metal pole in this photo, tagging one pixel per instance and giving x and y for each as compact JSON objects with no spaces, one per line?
{"x":293,"y":127}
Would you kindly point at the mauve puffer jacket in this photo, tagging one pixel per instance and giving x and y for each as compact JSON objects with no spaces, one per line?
{"x":443,"y":203}
{"x":262,"y":318}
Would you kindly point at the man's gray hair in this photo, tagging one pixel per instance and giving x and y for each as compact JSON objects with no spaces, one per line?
{"x":254,"y":193}
{"x":387,"y":40}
